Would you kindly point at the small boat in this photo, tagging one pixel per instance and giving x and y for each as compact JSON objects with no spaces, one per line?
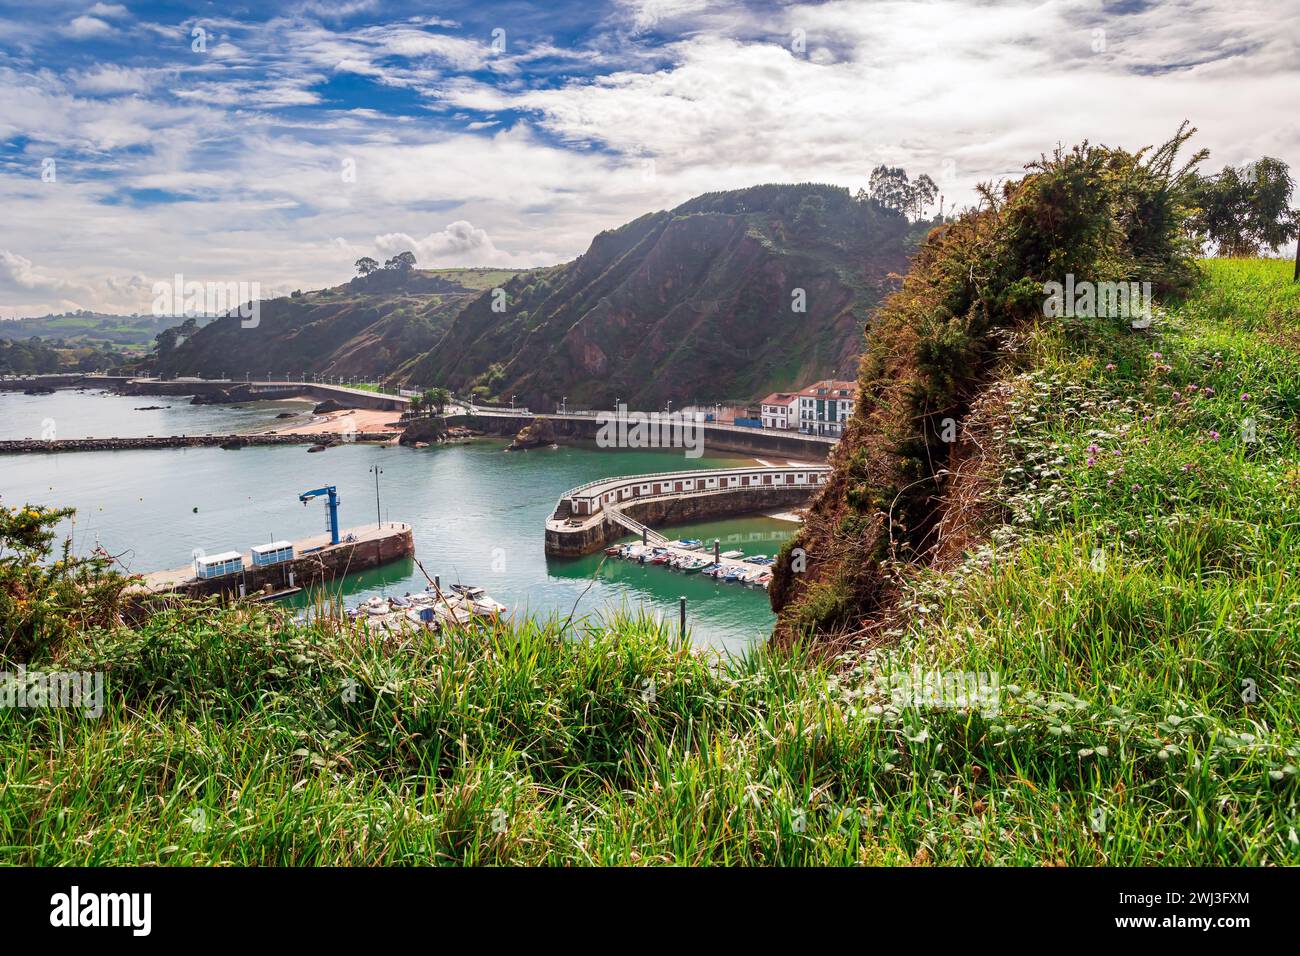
{"x":733,"y":555}
{"x":475,"y":600}
{"x":613,"y":550}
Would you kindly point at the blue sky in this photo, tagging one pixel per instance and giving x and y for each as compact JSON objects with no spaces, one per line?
{"x":276,"y":143}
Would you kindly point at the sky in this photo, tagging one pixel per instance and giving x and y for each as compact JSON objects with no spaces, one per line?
{"x":275,"y":143}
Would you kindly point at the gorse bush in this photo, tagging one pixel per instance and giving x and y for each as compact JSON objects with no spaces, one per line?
{"x":44,"y":599}
{"x":1097,"y":214}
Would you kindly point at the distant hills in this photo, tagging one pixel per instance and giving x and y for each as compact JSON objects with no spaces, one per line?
{"x":85,"y":327}
{"x":728,"y":296}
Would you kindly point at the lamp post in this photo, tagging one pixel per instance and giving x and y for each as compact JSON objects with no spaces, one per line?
{"x":377,"y":471}
{"x":512,"y":403}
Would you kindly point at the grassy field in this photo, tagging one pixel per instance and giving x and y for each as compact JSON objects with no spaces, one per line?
{"x":1137,"y":609}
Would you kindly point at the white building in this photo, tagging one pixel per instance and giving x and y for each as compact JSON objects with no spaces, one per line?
{"x":825,"y":406}
{"x":779,"y":410}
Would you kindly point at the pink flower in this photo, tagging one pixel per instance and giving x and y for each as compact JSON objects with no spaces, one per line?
{"x":1245,"y":396}
{"x":1214,"y":436}
{"x":1110,"y":367}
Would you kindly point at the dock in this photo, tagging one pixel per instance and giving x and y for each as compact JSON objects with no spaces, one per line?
{"x":315,"y":561}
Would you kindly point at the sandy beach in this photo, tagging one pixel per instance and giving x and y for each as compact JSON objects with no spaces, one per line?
{"x":345,"y":420}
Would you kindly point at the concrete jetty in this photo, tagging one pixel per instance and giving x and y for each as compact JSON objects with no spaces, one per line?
{"x":315,"y":562}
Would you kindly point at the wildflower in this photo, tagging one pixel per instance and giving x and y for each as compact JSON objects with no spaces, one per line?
{"x":1091,"y":462}
{"x":1110,"y":366}
{"x":1208,"y":392}
{"x":1245,"y":396}
{"x":1192,"y":387}
{"x":1178,"y":396}
{"x":1214,"y":436}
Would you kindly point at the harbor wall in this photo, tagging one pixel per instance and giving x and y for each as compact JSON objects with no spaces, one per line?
{"x":28,"y":445}
{"x":322,"y":567}
{"x":247,"y":391}
{"x":666,"y":510}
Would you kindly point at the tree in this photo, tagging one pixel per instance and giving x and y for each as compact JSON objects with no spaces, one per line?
{"x":402,"y":262}
{"x":365,"y":265}
{"x":1244,"y":210}
{"x":811,"y":215}
{"x":437,"y":399}
{"x":890,"y":188}
{"x":417,"y":401}
{"x":921,"y":194}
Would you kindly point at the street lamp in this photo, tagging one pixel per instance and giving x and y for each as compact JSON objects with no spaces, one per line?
{"x":512,"y":403}
{"x":377,"y":471}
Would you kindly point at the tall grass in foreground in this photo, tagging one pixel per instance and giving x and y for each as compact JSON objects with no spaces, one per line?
{"x":1139,"y":607}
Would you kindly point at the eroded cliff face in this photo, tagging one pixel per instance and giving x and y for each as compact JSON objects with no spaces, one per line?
{"x":731,"y":295}
{"x":910,"y":487}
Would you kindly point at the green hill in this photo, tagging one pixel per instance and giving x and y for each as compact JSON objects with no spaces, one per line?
{"x":366,"y":328}
{"x":730,"y":295}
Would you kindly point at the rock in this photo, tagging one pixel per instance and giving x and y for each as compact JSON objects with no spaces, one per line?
{"x":535,"y":435}
{"x":234,"y":444}
{"x":329,"y":405}
{"x":287,"y":415}
{"x":426,"y":430}
{"x":151,"y":408}
{"x":317,"y":448}
{"x":38,"y":390}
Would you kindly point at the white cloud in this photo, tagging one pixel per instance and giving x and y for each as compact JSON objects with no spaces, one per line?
{"x":107,"y":10}
{"x":84,"y":27}
{"x":962,"y":89}
{"x":460,"y":243}
{"x":110,"y":78}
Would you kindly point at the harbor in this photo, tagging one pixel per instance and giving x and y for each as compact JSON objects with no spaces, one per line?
{"x":477,"y":516}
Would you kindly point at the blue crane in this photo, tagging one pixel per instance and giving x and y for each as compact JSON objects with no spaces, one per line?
{"x":333,"y":502}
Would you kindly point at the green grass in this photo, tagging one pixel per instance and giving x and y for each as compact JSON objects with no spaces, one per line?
{"x":1138,"y":608}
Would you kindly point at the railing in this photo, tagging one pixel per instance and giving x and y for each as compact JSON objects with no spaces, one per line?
{"x":636,"y":527}
{"x":595,"y":491}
